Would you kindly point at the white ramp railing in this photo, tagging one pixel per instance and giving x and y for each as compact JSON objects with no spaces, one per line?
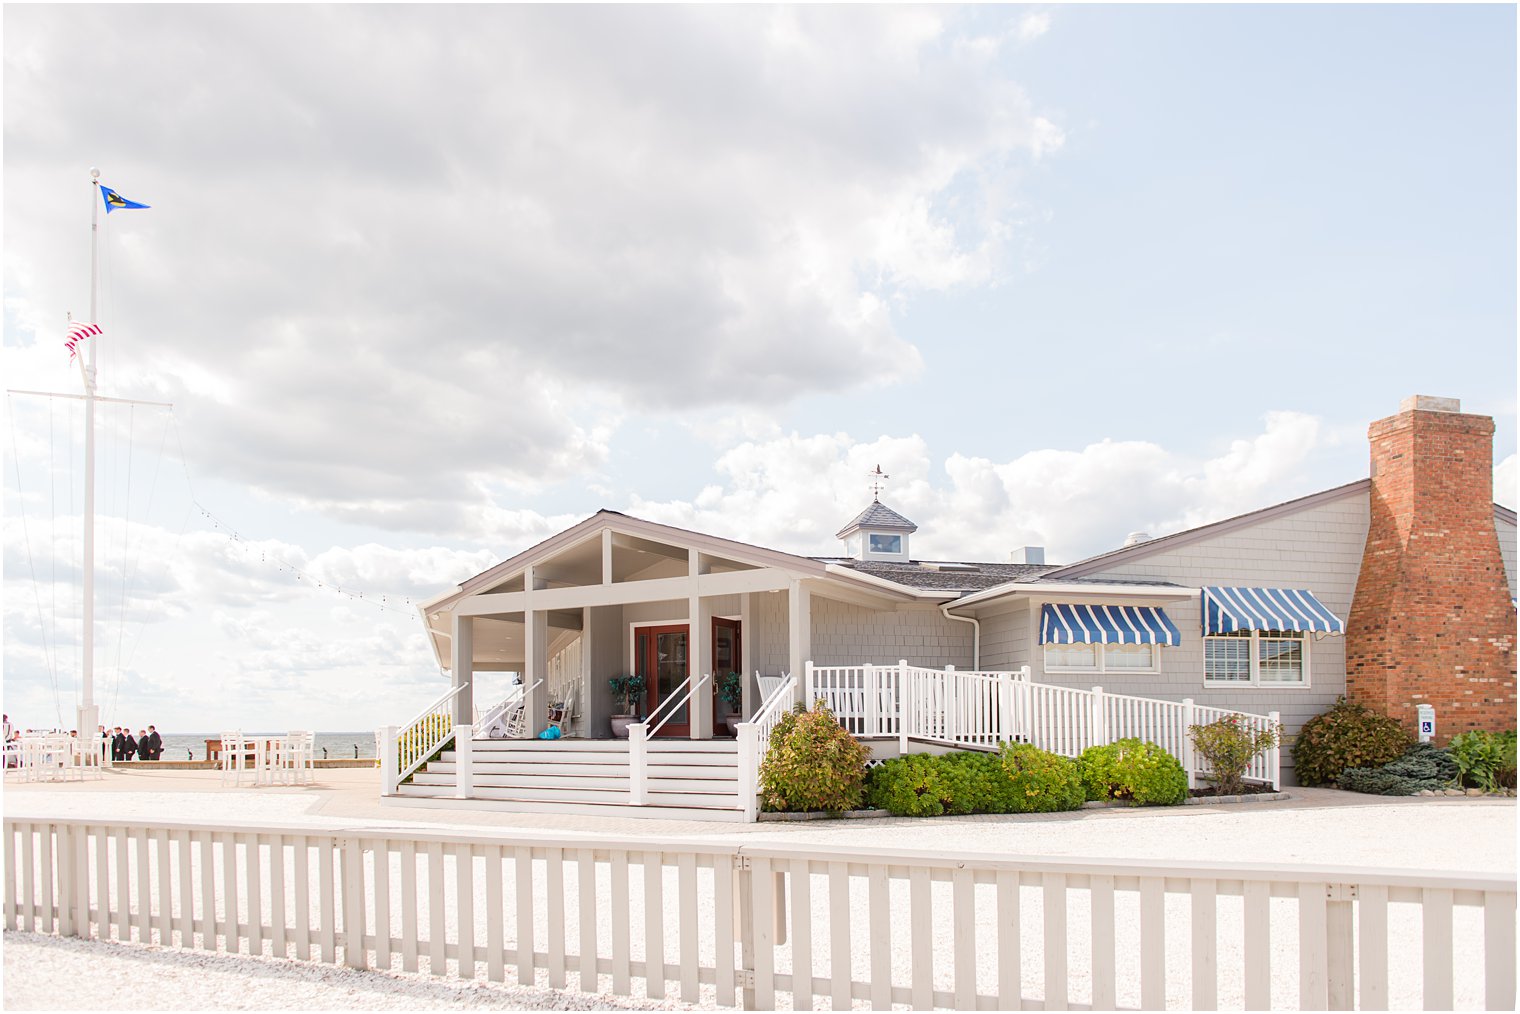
{"x":775,"y":925}
{"x":982,"y":709}
{"x":640,"y":734}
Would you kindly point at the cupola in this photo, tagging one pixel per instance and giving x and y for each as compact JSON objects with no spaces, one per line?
{"x":878,"y":532}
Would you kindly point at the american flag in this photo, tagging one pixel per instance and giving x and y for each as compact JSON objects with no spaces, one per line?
{"x":77,"y":334}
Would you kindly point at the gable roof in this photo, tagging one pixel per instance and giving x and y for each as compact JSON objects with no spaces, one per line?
{"x":946,"y":576}
{"x":878,"y":515}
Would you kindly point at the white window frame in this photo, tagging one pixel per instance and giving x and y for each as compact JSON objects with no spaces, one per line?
{"x":867,"y":553}
{"x":1256,"y":682}
{"x":1102,"y":666}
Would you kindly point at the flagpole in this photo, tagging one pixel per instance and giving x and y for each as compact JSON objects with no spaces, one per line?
{"x":88,"y":718}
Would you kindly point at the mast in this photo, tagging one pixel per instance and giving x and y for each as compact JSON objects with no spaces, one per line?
{"x":89,"y":715}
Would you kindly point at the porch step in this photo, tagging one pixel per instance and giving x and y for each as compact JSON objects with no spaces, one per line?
{"x":671,"y":777}
{"x":440,"y":802}
{"x":657,"y":745}
{"x":617,"y":798}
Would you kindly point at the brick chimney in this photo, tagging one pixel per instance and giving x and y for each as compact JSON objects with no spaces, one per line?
{"x":1432,"y":621}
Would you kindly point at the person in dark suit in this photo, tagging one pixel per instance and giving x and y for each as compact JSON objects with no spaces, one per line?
{"x":118,"y":744}
{"x":155,"y":744}
{"x":128,"y":745}
{"x":144,"y":751}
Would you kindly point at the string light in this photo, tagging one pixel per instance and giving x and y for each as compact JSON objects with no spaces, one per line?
{"x":383,"y":603}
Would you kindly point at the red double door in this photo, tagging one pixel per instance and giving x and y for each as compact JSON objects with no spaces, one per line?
{"x":662,"y":655}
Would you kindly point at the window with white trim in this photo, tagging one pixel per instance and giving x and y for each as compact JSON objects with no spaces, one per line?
{"x":1256,"y":658}
{"x":1142,"y":658}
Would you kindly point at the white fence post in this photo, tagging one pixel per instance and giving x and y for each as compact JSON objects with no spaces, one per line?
{"x":1099,"y":726}
{"x":1005,"y":708}
{"x":1026,"y":708}
{"x":749,"y":769}
{"x":873,"y":702}
{"x":1274,"y":757}
{"x":1188,"y":762}
{"x":638,"y":750}
{"x":390,"y":760}
{"x":808,"y":693}
{"x":952,"y":705}
{"x":905,"y":706}
{"x":464,"y":761}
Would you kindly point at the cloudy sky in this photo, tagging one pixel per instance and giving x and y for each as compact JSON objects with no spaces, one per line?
{"x":426,"y":285}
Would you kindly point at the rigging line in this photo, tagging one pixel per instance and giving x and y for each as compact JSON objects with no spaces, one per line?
{"x":126,"y":530}
{"x":52,"y":531}
{"x":130,"y":564}
{"x":184,"y":524}
{"x":31,"y":565}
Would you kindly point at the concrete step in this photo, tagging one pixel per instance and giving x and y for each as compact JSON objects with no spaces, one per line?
{"x":429,"y":798}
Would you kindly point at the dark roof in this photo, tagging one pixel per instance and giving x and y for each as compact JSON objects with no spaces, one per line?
{"x":957,"y":576}
{"x":878,"y":515}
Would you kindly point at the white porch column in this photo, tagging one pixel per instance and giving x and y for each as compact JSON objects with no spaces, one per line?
{"x":747,"y":656}
{"x":536,"y":664}
{"x":799,"y":627}
{"x":462,"y":662}
{"x":701,"y":663}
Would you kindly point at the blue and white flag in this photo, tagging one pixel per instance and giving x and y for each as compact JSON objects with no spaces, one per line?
{"x":115,"y":201}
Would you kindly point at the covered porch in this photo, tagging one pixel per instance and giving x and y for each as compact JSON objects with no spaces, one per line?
{"x":615,"y":597}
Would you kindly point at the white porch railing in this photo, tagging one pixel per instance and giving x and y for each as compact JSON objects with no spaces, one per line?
{"x":982,"y":709}
{"x":410,"y":746}
{"x":755,"y":740}
{"x":776,"y":925}
{"x":640,"y":734}
{"x":487,"y":717}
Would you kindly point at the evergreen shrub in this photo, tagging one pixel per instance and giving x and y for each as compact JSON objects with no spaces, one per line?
{"x":1018,"y":779}
{"x":1134,"y":771}
{"x":812,"y":764}
{"x":1349,"y":735}
{"x":1423,"y":766}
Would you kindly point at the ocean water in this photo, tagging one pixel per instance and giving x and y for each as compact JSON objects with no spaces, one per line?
{"x":339,"y":745}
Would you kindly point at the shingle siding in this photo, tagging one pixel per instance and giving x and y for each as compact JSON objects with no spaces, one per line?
{"x":1319,"y":549}
{"x":845,"y":634}
{"x":1506,"y":533}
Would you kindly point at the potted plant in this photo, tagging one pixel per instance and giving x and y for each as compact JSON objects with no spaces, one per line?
{"x":627,"y":691}
{"x":731,"y":693}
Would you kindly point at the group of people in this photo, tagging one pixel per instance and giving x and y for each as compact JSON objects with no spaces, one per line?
{"x":146,"y":745}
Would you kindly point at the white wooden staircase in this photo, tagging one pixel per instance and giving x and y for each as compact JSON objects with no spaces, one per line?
{"x":687,"y":779}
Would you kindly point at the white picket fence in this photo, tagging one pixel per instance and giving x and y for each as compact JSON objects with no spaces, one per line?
{"x":982,"y":709}
{"x":761,"y":924}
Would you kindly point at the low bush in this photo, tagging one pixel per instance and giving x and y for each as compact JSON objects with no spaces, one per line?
{"x":1018,"y":779}
{"x":1423,"y":766}
{"x":1134,"y":771}
{"x":1349,"y":735}
{"x":813,"y":763}
{"x":1229,"y":744}
{"x":1040,"y":782}
{"x":1484,"y":760}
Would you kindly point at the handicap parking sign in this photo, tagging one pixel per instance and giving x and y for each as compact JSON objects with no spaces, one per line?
{"x":1427,"y":726}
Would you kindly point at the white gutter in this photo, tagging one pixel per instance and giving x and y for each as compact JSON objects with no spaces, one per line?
{"x":1048,"y":588}
{"x":976,"y":635}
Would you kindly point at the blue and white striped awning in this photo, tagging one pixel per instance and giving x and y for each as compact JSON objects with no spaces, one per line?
{"x":1086,"y":624}
{"x":1226,"y":610}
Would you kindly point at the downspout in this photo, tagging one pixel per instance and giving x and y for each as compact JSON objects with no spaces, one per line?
{"x":976,"y":635}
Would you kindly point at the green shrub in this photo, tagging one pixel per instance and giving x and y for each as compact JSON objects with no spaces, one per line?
{"x":1134,"y":771}
{"x":909,"y":786}
{"x":1040,"y":782}
{"x":813,"y":763}
{"x":1229,"y":744}
{"x":1485,"y":760}
{"x":1019,"y":779}
{"x":1423,"y":766}
{"x":1347,"y":736}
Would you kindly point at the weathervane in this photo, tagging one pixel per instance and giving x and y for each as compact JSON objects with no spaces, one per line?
{"x":878,"y":480}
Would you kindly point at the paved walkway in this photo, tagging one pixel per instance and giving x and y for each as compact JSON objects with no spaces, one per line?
{"x":1314,"y":826}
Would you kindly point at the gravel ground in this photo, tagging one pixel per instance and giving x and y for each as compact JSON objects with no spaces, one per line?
{"x":1317,"y":826}
{"x":104,"y":976}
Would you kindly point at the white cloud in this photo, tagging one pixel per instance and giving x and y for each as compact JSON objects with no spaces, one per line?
{"x":793,"y":492}
{"x":385,"y":273}
{"x":1507,"y":483}
{"x":1033,"y":25}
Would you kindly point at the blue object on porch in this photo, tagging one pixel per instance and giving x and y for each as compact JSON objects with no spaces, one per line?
{"x":1226,"y":610}
{"x":1089,"y":624}
{"x":550,"y":733}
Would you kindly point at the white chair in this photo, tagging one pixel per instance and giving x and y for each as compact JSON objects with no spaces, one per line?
{"x":234,"y":757}
{"x":768,"y":687}
{"x":300,"y":757}
{"x":562,"y":715}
